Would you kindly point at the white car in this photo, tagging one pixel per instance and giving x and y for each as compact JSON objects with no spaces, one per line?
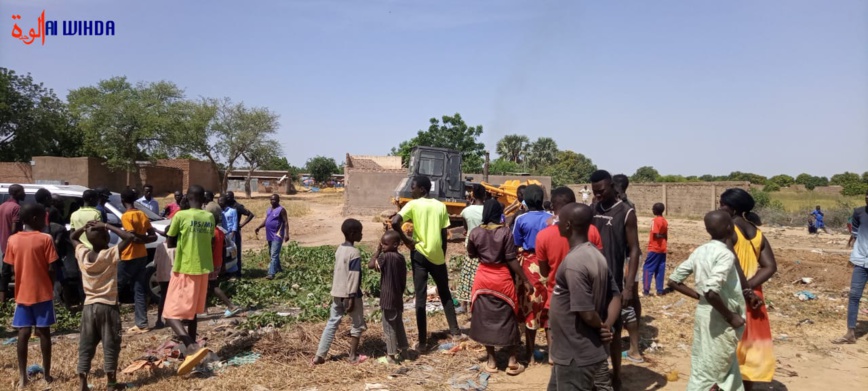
{"x":71,"y":196}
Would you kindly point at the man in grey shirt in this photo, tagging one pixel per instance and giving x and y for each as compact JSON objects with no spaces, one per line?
{"x":585,"y":304}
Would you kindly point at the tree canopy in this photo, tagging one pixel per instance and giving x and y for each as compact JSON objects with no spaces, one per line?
{"x":321,"y":168}
{"x":570,"y":167}
{"x":645,"y":174}
{"x":33,"y":121}
{"x":502,"y":166}
{"x":123,"y":123}
{"x":452,"y":133}
{"x":513,"y":147}
{"x":541,"y":153}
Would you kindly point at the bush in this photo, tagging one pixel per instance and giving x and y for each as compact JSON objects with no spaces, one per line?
{"x":854,"y":189}
{"x":771,"y":187}
{"x":761,"y":198}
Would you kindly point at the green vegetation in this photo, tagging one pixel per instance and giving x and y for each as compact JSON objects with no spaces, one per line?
{"x":305,"y":285}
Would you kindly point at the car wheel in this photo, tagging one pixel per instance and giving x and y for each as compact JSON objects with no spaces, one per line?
{"x":154,"y":287}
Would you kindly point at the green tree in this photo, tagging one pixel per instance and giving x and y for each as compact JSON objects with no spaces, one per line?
{"x":569,"y":168}
{"x":755,"y":179}
{"x":222,"y":132}
{"x":782,"y":180}
{"x":854,"y":188}
{"x":771,"y":186}
{"x":810,"y":182}
{"x":123,"y":123}
{"x":542,"y":153}
{"x":452,"y":133}
{"x":671,"y":178}
{"x":501,"y":166}
{"x":33,"y":121}
{"x":645,"y":174}
{"x":865,"y":177}
{"x":513,"y":147}
{"x":277,"y":163}
{"x":845,"y":178}
{"x":321,"y":168}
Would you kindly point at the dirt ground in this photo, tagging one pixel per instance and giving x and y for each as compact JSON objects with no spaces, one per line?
{"x":802,"y":329}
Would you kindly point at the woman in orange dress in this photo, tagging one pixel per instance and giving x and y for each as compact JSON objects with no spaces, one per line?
{"x":757,"y":261}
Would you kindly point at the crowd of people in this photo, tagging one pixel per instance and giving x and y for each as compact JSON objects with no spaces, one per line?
{"x":34,"y":240}
{"x":572,"y":271}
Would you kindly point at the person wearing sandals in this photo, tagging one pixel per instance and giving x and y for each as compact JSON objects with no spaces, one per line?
{"x":191,"y":233}
{"x":584,"y":307}
{"x":859,"y":259}
{"x":494,"y":299}
{"x":346,"y":295}
{"x":756,"y":261}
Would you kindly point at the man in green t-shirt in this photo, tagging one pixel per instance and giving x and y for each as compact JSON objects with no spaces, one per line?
{"x":85,"y":214}
{"x":428,"y":253}
{"x":191,"y":234}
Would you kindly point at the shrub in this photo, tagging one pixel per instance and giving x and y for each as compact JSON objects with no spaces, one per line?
{"x":854,"y":189}
{"x":771,"y":186}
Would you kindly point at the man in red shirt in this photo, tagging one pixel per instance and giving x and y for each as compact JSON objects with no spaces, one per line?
{"x":655,"y":264}
{"x":552,"y":248}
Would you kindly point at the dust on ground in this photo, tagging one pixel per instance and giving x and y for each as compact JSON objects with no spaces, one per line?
{"x":802,"y":329}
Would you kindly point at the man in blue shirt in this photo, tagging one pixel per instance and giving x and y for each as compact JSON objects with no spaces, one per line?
{"x":859,"y":259}
{"x":818,"y":217}
{"x":148,"y":200}
{"x":230,"y":218}
{"x":524,"y":232}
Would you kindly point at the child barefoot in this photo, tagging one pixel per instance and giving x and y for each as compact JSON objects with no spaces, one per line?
{"x":346,"y":294}
{"x":101,"y":316}
{"x":388,"y":261}
{"x":719,"y":319}
{"x":31,"y":254}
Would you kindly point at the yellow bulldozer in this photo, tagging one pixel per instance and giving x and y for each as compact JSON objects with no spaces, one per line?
{"x":443,"y":167}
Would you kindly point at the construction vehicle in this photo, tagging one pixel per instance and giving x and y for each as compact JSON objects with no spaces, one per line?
{"x":443,"y":167}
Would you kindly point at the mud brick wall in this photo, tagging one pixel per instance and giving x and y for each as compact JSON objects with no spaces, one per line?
{"x":164,"y":179}
{"x":693,"y":199}
{"x":194,"y":172}
{"x":368,"y":192}
{"x":16,"y":172}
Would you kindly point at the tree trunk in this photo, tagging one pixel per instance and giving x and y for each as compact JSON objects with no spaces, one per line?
{"x":247,"y":189}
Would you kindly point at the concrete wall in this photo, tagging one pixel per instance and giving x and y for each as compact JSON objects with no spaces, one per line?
{"x":692,"y":199}
{"x":164,"y":179}
{"x":16,"y":172}
{"x":195,"y":172}
{"x":369,"y":192}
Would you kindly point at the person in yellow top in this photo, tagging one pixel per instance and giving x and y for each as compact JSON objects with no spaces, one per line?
{"x":756,"y":259}
{"x":85,"y":214}
{"x":428,"y":253}
{"x":134,"y":258}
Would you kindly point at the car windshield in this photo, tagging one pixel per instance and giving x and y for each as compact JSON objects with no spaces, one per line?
{"x":115,"y":200}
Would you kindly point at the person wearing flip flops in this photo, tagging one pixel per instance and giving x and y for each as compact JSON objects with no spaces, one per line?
{"x":859,"y":259}
{"x":346,"y":295}
{"x":191,"y":233}
{"x":101,"y":316}
{"x":494,"y":298}
{"x":585,"y":304}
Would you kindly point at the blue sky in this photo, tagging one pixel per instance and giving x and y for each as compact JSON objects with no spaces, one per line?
{"x":688,"y":87}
